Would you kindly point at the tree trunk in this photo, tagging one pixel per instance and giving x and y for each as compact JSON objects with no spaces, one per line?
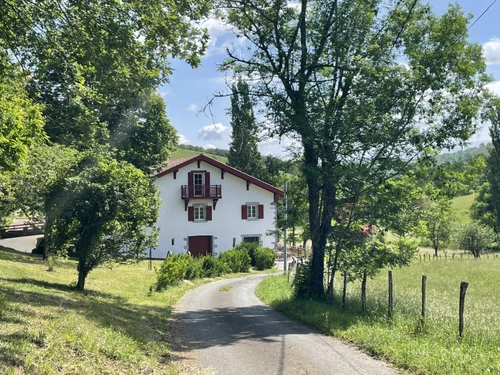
{"x":82,"y":274}
{"x":435,"y":251}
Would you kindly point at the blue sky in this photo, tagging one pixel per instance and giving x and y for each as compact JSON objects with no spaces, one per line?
{"x":191,"y":89}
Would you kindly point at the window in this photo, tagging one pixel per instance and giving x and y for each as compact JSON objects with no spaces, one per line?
{"x":251,"y":239}
{"x":199,"y":212}
{"x":251,"y":211}
{"x":198,"y":183}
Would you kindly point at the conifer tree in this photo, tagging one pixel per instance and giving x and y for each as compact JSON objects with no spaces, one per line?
{"x":243,"y":152}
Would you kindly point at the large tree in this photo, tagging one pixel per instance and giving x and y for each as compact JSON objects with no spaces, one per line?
{"x":95,"y":66}
{"x":364,"y":86}
{"x":243,"y":151}
{"x":104,"y":208}
{"x":486,"y":208}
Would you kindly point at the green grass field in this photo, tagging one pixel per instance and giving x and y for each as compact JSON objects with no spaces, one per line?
{"x":183,"y":153}
{"x":114,"y":327}
{"x":434,"y":348}
{"x":461,"y":207}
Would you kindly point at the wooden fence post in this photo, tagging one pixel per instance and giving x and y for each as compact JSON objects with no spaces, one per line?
{"x":344,"y":291}
{"x":424,"y":287}
{"x":363,"y":292}
{"x":461,"y":307}
{"x":391,"y":299}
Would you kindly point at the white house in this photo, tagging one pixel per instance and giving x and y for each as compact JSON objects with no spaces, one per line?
{"x":209,"y":207}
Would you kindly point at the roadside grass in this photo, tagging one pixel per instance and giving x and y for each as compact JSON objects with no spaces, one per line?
{"x":116,"y":327}
{"x":431,"y":348}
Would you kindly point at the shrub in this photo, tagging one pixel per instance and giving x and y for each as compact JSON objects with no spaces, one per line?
{"x":264,"y":258}
{"x":213,"y":267}
{"x":250,"y":248}
{"x":172,"y":271}
{"x":194,"y":269}
{"x":237,"y":260}
{"x":302,"y":283}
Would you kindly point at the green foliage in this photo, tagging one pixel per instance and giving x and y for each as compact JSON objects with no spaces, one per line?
{"x":264,"y":258}
{"x":44,"y":167}
{"x":144,"y":137}
{"x":194,"y":269}
{"x":21,"y":120}
{"x":487,"y":205}
{"x":243,"y":152}
{"x":302,"y":282}
{"x":237,"y":260}
{"x":475,"y":237}
{"x":173,"y":270}
{"x":250,"y":248}
{"x":297,"y":65}
{"x":439,"y":221}
{"x":94,"y":64}
{"x":214,"y":266}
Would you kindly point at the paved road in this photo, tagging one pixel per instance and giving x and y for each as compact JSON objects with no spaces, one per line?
{"x":234,"y":333}
{"x":24,"y":244}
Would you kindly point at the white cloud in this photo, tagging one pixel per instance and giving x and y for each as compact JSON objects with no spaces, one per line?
{"x":494,"y":87}
{"x":192,"y":108}
{"x":215,"y":27}
{"x":491,"y":51}
{"x":183,"y":140}
{"x":213,"y":132}
{"x":209,"y":146}
{"x":283,"y":147}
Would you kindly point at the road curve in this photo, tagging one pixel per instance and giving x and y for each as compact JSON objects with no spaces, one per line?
{"x":234,"y":333}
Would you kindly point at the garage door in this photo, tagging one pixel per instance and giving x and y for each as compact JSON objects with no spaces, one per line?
{"x":200,"y":245}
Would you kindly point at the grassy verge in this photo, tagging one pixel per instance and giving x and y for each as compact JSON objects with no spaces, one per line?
{"x":433,"y":348}
{"x":115,"y":327}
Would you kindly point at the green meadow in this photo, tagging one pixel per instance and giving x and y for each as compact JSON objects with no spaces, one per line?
{"x":429,"y":347}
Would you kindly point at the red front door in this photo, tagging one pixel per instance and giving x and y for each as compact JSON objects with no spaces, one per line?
{"x":200,"y":245}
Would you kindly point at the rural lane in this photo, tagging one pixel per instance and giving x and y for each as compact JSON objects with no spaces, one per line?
{"x":231,"y":331}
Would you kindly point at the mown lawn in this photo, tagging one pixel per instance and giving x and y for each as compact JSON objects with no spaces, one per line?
{"x":433,"y":348}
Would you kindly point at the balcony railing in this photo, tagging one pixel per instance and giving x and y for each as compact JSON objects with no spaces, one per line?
{"x":201,"y":191}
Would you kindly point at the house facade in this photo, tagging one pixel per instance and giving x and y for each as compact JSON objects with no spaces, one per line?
{"x":209,"y":207}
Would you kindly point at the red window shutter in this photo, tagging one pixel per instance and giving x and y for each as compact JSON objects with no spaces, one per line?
{"x":209,"y":213}
{"x":244,"y":212}
{"x":261,"y":211}
{"x":190,"y":213}
{"x":190,"y":178}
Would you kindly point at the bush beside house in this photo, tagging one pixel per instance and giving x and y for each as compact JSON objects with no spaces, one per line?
{"x":240,"y":259}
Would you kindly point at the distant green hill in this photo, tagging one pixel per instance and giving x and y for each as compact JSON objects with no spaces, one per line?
{"x":184,"y":153}
{"x":464,"y":155}
{"x":461,"y":206}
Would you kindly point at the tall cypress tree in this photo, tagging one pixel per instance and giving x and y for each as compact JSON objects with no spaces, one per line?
{"x":493,"y":163}
{"x":243,"y":151}
{"x":486,"y":207}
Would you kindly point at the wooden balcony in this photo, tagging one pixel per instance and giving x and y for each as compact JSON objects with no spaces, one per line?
{"x":213,"y":192}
